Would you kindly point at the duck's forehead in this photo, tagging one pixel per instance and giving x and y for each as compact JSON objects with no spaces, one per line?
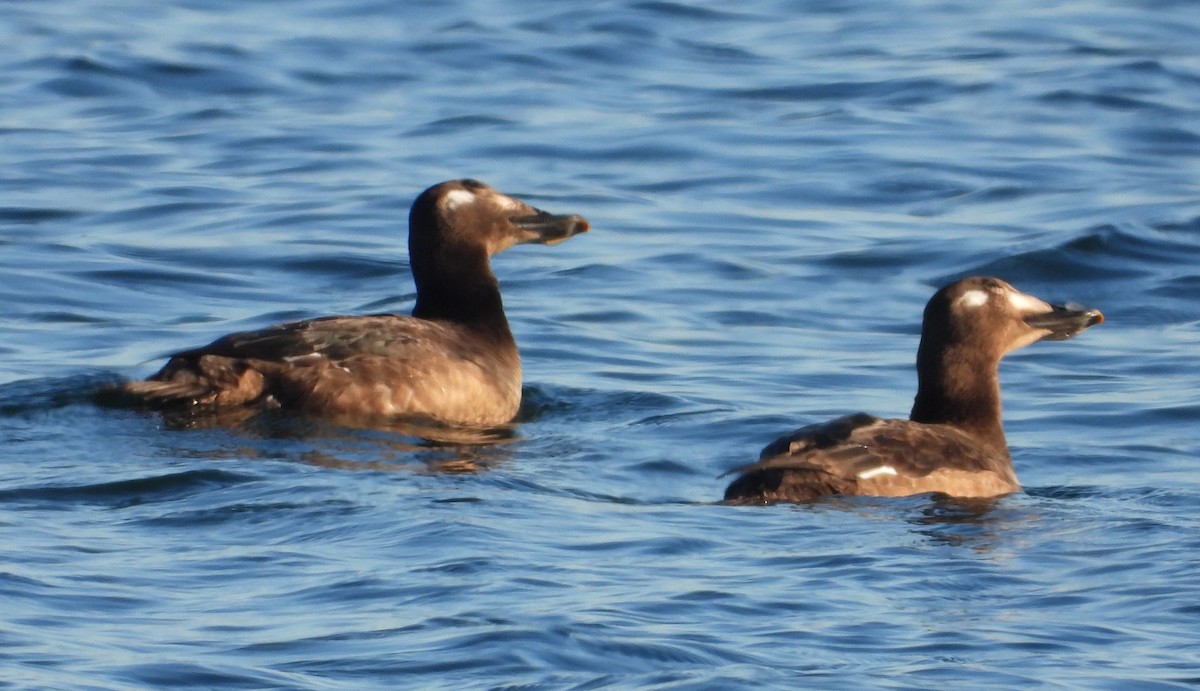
{"x":461,"y":198}
{"x":1021,"y":302}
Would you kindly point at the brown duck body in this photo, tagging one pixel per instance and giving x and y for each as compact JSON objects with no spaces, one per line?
{"x":865,"y":455}
{"x":352,"y":367}
{"x":454,"y":360}
{"x":953,"y":441}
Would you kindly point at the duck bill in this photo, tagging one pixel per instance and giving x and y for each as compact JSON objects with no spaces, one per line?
{"x":549,"y":229}
{"x":1064,"y":321}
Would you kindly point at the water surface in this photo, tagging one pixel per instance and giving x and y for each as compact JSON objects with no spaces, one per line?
{"x":775,"y":188}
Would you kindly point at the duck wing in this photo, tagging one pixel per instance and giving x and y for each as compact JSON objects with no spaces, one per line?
{"x":863,"y":454}
{"x":335,"y":338}
{"x":247,"y":368}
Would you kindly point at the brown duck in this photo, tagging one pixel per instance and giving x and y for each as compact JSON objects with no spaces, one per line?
{"x":953,"y":441}
{"x":453,"y":361}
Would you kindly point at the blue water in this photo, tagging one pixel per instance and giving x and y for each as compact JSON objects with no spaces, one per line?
{"x":775,"y":189}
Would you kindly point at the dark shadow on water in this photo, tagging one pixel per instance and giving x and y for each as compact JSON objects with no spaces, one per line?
{"x":359,"y":445}
{"x":42,"y":394}
{"x":975,"y":523}
{"x":423,"y":446}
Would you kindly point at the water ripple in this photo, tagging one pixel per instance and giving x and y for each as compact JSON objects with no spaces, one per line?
{"x":775,"y":189}
{"x":128,"y":492}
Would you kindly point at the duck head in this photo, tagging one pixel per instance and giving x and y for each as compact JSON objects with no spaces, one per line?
{"x":991,"y":317}
{"x":468,"y":213}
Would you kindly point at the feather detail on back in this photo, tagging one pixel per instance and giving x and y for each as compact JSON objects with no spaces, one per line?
{"x":862,"y":454}
{"x":382,"y":365}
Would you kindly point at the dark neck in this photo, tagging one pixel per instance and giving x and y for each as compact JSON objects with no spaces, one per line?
{"x":459,"y":286}
{"x":960,"y":387}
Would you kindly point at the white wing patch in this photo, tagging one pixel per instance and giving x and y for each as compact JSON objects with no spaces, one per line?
{"x":881,"y":470}
{"x":457,"y":198}
{"x":973,"y":298}
{"x":301,"y":359}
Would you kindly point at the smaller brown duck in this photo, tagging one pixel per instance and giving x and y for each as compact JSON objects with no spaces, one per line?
{"x":454,"y":361}
{"x":953,"y":441}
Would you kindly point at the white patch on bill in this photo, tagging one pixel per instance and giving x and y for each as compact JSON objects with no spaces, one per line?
{"x":1028,"y":304}
{"x":457,"y":198}
{"x":508,"y":203}
{"x":876,"y":472}
{"x":973,"y":298}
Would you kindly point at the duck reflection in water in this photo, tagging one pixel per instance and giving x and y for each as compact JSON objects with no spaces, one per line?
{"x":420,"y":446}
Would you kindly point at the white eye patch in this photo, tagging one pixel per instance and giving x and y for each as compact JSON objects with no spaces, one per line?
{"x":973,"y":298}
{"x":457,"y":198}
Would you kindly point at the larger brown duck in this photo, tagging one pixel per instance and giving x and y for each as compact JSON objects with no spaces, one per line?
{"x":953,"y":441}
{"x":454,"y":361}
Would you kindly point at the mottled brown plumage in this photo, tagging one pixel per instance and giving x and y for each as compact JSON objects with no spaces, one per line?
{"x":454,"y":360}
{"x":953,"y":441}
